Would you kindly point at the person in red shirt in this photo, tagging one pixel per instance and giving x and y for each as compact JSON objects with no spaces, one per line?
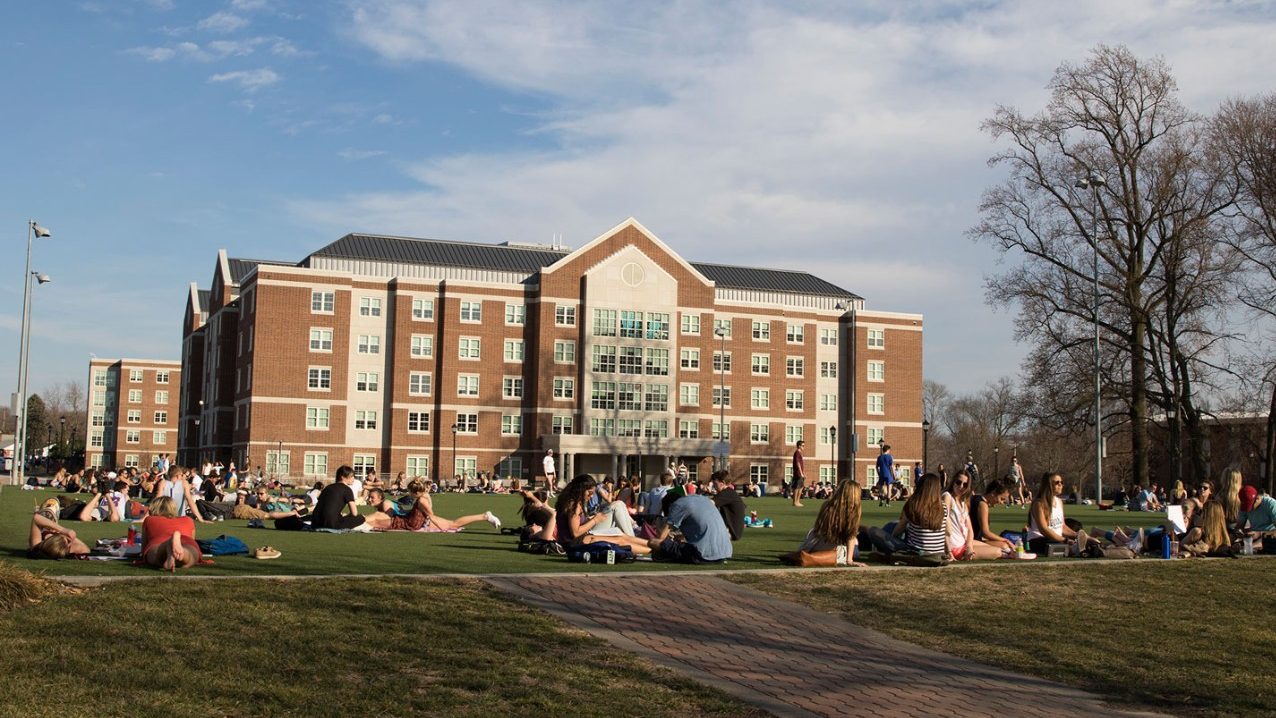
{"x":168,"y":541}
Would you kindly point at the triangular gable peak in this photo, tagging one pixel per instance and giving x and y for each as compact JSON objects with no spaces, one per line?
{"x":194,"y":312}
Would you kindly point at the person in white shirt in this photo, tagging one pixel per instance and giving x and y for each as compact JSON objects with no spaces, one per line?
{"x":551,"y":476}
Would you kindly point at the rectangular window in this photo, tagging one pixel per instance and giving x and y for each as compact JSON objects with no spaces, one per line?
{"x":369,"y":344}
{"x":828,"y":337}
{"x":420,"y":383}
{"x":876,"y":435}
{"x":564,"y":315}
{"x":689,"y":395}
{"x":469,"y":348}
{"x":826,"y":474}
{"x":794,"y":400}
{"x":688,"y":429}
{"x":604,"y":359}
{"x":792,"y":433}
{"x":794,"y":334}
{"x":876,"y":338}
{"x":369,"y":307}
{"x":722,"y":432}
{"x":656,"y":428}
{"x":161,"y":377}
{"x":828,"y":370}
{"x":795,"y":367}
{"x":132,"y":461}
{"x":510,"y":467}
{"x":511,"y":424}
{"x":565,"y":352}
{"x":467,"y":385}
{"x":95,"y":439}
{"x":467,"y":423}
{"x":631,"y":360}
{"x":630,"y":324}
{"x":516,"y":314}
{"x":366,"y":381}
{"x":656,"y":397}
{"x":561,"y":425}
{"x":877,"y":371}
{"x":629,"y":427}
{"x":319,"y":378}
{"x":657,"y":326}
{"x":134,"y":416}
{"x":564,"y":388}
{"x":99,"y":398}
{"x":877,"y":403}
{"x":465,"y":466}
{"x":512,"y":387}
{"x":135,"y":396}
{"x":762,"y":331}
{"x":690,"y":359}
{"x":322,"y":302}
{"x":826,"y":435}
{"x":602,"y":427}
{"x":657,"y":362}
{"x":761,"y":364}
{"x":422,"y":346}
{"x":99,"y":419}
{"x":423,"y":310}
{"x":722,"y":362}
{"x":514,"y":350}
{"x":364,"y":463}
{"x":759,"y":433}
{"x":418,"y":422}
{"x":161,"y":397}
{"x":315,"y":463}
{"x":133,"y":436}
{"x":365,"y":419}
{"x":317,"y":417}
{"x":135,"y":376}
{"x":320,"y":340}
{"x":604,"y":322}
{"x":760,"y":473}
{"x":760,"y":398}
{"x":418,"y":466}
{"x":722,"y":397}
{"x":628,"y":396}
{"x":472,"y":312}
{"x":828,"y":402}
{"x":722,"y":328}
{"x":99,"y":377}
{"x":603,"y":395}
{"x":690,"y":324}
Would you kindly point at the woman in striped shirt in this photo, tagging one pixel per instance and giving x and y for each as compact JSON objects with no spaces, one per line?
{"x":922,"y":523}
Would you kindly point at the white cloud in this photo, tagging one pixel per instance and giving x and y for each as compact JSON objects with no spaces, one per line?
{"x":248,"y":5}
{"x":250,"y":80}
{"x":153,"y":54}
{"x":222,"y":22}
{"x":355,"y":155}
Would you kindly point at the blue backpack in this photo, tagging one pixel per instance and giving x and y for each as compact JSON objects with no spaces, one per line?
{"x":223,"y":546}
{"x":597,"y":551}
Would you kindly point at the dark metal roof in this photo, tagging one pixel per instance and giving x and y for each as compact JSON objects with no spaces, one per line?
{"x":239,"y":267}
{"x":203,"y":294}
{"x":531,"y":260}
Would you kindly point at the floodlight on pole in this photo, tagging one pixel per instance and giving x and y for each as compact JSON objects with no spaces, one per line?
{"x":1093,"y":182}
{"x":24,"y":347}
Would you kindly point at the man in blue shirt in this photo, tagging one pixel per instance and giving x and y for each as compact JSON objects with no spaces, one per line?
{"x":704,"y":534}
{"x":885,"y":475}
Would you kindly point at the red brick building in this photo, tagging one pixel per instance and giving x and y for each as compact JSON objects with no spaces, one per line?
{"x":437,"y":357}
{"x":132,"y":416}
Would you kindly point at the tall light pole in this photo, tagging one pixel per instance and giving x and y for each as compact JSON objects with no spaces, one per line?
{"x":852,"y":371}
{"x":925,"y":445}
{"x":721,"y":334}
{"x":833,"y":452}
{"x":1094,"y":183}
{"x":19,"y":440}
{"x":454,"y":428}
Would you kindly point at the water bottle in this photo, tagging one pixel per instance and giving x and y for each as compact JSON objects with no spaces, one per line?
{"x":1249,"y":546}
{"x":585,"y":557}
{"x":1166,"y":548}
{"x":132,"y":535}
{"x":1018,"y":546}
{"x":611,"y":557}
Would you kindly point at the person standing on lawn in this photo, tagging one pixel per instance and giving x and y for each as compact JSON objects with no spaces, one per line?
{"x":885,"y":475}
{"x":799,"y":474}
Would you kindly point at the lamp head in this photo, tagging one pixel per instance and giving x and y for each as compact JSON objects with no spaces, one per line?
{"x":42,"y":278}
{"x":39,"y":231}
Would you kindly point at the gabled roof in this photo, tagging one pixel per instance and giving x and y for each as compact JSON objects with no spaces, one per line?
{"x":203,"y":300}
{"x":240,"y":267}
{"x":528,"y":260}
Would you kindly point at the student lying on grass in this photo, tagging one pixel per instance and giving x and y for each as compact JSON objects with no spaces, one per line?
{"x":49,"y":539}
{"x":832,"y":541}
{"x":168,"y":540}
{"x":421,"y":516}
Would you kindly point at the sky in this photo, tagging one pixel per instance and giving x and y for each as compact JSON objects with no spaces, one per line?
{"x":839,"y":138}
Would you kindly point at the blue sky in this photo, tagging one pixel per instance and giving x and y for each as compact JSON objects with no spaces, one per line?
{"x":839,"y":138}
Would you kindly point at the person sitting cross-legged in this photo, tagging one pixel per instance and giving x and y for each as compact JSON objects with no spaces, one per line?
{"x":704,"y":536}
{"x":611,"y":522}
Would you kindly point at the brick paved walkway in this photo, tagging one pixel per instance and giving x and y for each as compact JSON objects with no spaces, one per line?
{"x":785,"y":658}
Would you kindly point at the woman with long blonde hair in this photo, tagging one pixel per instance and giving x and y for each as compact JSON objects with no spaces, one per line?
{"x":1230,"y":495}
{"x":834,"y":537}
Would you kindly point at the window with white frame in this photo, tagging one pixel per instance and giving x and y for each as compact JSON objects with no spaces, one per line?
{"x":317,"y":417}
{"x":319,"y":378}
{"x":688,"y":429}
{"x":690,"y":324}
{"x":795,"y":334}
{"x":828,"y":402}
{"x":315,"y":463}
{"x":320,"y":340}
{"x":469,"y":348}
{"x":655,"y":428}
{"x":794,"y":400}
{"x":628,"y":396}
{"x":514,"y":350}
{"x":792,"y":433}
{"x":511,"y":424}
{"x":369,"y":344}
{"x":467,"y":423}
{"x":466,"y":466}
{"x":722,"y":326}
{"x":472,"y":312}
{"x":876,"y":338}
{"x":99,"y":398}
{"x":420,"y":383}
{"x":561,"y":425}
{"x":96,"y":439}
{"x":365,"y":419}
{"x":762,"y":331}
{"x":99,"y":377}
{"x":510,"y":466}
{"x":760,"y":398}
{"x":467,"y":385}
{"x":132,"y":461}
{"x":135,"y":396}
{"x":364,"y":464}
{"x":99,"y":419}
{"x":161,"y":397}
{"x":564,"y":315}
{"x":423,"y":310}
{"x":604,"y":359}
{"x":422,"y":346}
{"x":564,"y":351}
{"x":418,"y":422}
{"x":161,"y":377}
{"x":657,"y":326}
{"x":690,"y":359}
{"x":367,"y":381}
{"x":827,"y":474}
{"x":722,"y":362}
{"x":760,"y":473}
{"x":512,"y":387}
{"x":417,"y":465}
{"x":876,"y":435}
{"x":604,"y":322}
{"x":721,"y":432}
{"x":630,"y":324}
{"x":689,"y":395}
{"x":322,"y":302}
{"x":515,"y":314}
{"x":877,"y":371}
{"x":826,"y":435}
{"x":657,"y":362}
{"x":655,"y":397}
{"x":564,"y":388}
{"x":794,"y":367}
{"x":369,"y":307}
{"x":760,"y":364}
{"x":828,"y":370}
{"x":759,"y":433}
{"x":135,"y":376}
{"x":603,"y":395}
{"x":602,"y":427}
{"x":134,"y":416}
{"x":721,"y":397}
{"x":828,"y":337}
{"x":630,"y":360}
{"x":876,"y":403}
{"x":132,"y":436}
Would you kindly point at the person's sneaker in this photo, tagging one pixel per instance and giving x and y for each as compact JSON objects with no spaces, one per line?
{"x":1025,"y":556}
{"x":491,"y":519}
{"x":255,"y":524}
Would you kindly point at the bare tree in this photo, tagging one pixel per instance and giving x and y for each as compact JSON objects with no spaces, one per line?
{"x":935,"y":400}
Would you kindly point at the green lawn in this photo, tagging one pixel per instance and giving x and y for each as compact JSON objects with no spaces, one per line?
{"x":478,"y":549}
{"x":1191,"y":637}
{"x":343,"y":647}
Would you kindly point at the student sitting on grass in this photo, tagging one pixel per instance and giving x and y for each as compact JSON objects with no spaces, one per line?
{"x":177,"y":487}
{"x":108,"y":502}
{"x":995,"y":494}
{"x":1258,"y":511}
{"x":538,"y":516}
{"x":1045,"y":516}
{"x":576,"y":526}
{"x":1229,"y":495}
{"x":336,"y":508}
{"x":168,"y":540}
{"x":832,"y":541}
{"x":267,"y":507}
{"x":1210,"y":537}
{"x":922,"y":522}
{"x":703,"y":535}
{"x":49,"y":539}
{"x":961,"y":534}
{"x":422,"y":517}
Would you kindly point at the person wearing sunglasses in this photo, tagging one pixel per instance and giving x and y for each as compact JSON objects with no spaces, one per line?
{"x":961,"y":536}
{"x":1045,"y":516}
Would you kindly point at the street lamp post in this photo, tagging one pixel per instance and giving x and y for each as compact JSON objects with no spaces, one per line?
{"x":454,"y":428}
{"x":833,"y":441}
{"x":24,"y":346}
{"x":1173,"y":417}
{"x":722,"y":398}
{"x":62,"y":430}
{"x":996,"y":462}
{"x":925,"y":445}
{"x":1094,"y":183}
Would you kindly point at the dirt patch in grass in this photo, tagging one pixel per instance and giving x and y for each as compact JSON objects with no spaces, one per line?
{"x":20,"y":588}
{"x":1189,"y":637}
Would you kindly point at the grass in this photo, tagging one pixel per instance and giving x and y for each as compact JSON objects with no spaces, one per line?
{"x":1190,"y":637}
{"x":478,"y":549}
{"x":19,"y":588}
{"x":337,"y":648}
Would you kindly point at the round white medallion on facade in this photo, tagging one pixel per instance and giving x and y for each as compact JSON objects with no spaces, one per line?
{"x":633,"y":274}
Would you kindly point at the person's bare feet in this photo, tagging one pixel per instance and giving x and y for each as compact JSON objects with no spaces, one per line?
{"x":177,"y":553}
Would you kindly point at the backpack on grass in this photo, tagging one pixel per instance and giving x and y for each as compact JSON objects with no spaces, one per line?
{"x":223,"y":546}
{"x":597,"y":551}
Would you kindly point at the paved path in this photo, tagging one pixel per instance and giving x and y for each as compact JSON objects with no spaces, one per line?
{"x":785,"y":658}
